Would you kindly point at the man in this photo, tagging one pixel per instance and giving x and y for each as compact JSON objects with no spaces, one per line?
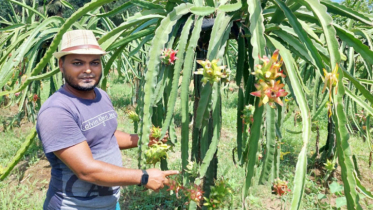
{"x":77,"y":127}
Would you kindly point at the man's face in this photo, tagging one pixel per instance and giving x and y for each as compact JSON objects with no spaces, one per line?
{"x":82,"y":72}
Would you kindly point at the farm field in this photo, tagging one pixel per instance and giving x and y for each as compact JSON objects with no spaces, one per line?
{"x":265,"y":104}
{"x":26,"y":186}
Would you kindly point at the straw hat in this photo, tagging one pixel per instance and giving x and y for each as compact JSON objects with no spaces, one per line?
{"x":79,"y":42}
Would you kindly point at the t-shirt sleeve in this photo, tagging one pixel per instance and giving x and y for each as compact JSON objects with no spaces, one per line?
{"x":57,"y":129}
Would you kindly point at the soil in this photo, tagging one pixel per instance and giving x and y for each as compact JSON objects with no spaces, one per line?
{"x":366,"y":180}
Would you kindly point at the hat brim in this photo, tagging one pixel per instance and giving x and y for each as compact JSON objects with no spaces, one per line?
{"x":88,"y":51}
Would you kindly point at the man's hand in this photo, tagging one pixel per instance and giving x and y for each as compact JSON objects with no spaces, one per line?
{"x":157,"y":178}
{"x":153,"y":140}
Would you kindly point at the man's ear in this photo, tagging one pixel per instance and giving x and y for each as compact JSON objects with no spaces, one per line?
{"x":60,"y":64}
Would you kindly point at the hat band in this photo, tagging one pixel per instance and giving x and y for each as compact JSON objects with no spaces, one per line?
{"x":88,"y":46}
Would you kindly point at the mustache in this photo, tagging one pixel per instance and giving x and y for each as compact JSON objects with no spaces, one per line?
{"x":84,"y":76}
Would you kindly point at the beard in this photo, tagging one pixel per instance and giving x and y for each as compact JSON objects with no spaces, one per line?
{"x":69,"y":81}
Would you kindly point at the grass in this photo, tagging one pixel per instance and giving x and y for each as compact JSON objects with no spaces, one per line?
{"x":15,"y":191}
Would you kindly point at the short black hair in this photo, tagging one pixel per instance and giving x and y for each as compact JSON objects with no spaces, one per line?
{"x":63,"y":58}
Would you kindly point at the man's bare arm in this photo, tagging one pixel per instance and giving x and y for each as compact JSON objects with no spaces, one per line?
{"x":80,"y":160}
{"x":126,"y":140}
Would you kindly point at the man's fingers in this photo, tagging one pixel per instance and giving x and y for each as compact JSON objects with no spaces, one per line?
{"x":166,"y":182}
{"x":170,"y":172}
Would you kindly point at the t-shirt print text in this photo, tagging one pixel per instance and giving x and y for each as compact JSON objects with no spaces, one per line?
{"x":98,"y":120}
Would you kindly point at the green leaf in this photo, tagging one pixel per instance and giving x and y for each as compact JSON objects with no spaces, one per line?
{"x":158,"y":43}
{"x":253,"y":147}
{"x":202,"y":11}
{"x":258,"y":43}
{"x":18,"y":56}
{"x":358,"y":45}
{"x":11,"y":27}
{"x":184,"y":95}
{"x":216,"y":107}
{"x":343,"y":147}
{"x":217,"y":38}
{"x":53,"y":47}
{"x":267,"y":169}
{"x":138,"y":17}
{"x":240,"y":107}
{"x":362,"y":188}
{"x":368,"y":96}
{"x":117,"y":10}
{"x":326,"y":22}
{"x":310,"y":31}
{"x":340,"y":201}
{"x":203,"y":104}
{"x":21,"y":151}
{"x":146,"y":4}
{"x":340,"y":9}
{"x":257,"y":30}
{"x":321,"y":196}
{"x":131,"y":37}
{"x":67,"y":4}
{"x":241,"y":58}
{"x":359,"y":101}
{"x":301,"y":167}
{"x":335,"y":187}
{"x":175,"y":81}
{"x":231,"y":7}
{"x":312,"y":51}
{"x":27,"y":7}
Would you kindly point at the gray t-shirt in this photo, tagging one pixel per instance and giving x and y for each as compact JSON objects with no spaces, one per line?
{"x":65,"y":120}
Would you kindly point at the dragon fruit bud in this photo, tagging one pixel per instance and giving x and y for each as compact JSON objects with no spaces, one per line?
{"x":169,"y":56}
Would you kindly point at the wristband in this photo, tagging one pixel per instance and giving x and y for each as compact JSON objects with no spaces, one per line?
{"x":144,"y":178}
